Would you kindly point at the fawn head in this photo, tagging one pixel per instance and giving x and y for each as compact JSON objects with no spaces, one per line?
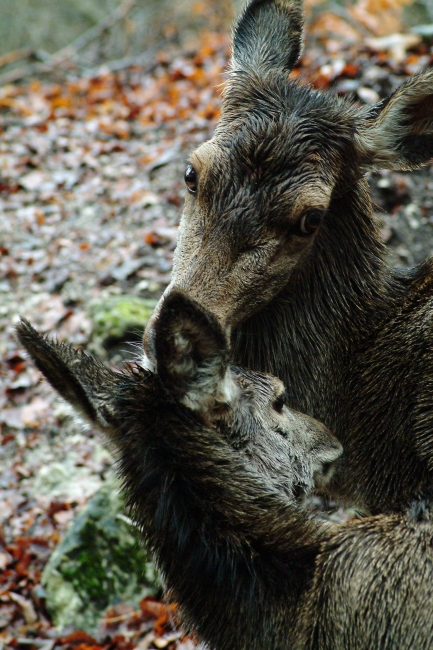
{"x":261,"y":192}
{"x":194,"y":377}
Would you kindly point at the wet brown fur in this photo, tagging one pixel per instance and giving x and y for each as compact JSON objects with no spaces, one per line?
{"x":350,"y":336}
{"x":249,"y":569}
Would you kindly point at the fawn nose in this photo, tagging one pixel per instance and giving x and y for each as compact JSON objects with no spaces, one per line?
{"x":327,"y":462}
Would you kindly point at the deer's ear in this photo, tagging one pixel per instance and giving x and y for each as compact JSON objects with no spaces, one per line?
{"x":268,"y":36}
{"x":397,"y":133}
{"x":192,"y":354}
{"x":80,"y":379}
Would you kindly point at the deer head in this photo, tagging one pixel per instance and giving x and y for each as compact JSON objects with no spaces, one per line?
{"x":264,"y":195}
{"x":248,"y":409}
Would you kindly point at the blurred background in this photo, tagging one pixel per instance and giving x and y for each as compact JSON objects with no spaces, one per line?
{"x":46,"y":26}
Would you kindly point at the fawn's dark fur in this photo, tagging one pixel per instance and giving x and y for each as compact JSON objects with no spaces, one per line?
{"x":249,"y":570}
{"x":278,"y":240}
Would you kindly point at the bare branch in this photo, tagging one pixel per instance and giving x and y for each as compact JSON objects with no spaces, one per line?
{"x":66,"y":53}
{"x":93,"y":33}
{"x":16,"y":55}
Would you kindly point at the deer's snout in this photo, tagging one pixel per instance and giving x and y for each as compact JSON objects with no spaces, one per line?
{"x":326,"y":460}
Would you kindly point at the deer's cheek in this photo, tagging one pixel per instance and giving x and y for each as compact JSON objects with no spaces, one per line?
{"x":284,"y":261}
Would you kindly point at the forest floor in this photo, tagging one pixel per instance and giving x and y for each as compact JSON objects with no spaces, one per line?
{"x":91,"y":190}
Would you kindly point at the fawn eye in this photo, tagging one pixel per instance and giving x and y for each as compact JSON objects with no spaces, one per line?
{"x":309,"y":222}
{"x":280,"y":402}
{"x":247,"y":248}
{"x":191,"y":179}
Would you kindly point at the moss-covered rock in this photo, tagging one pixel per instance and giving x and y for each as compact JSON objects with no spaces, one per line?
{"x":118,"y":318}
{"x":99,"y":563}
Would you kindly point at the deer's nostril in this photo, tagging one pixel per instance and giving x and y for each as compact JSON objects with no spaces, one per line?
{"x":326,"y":468}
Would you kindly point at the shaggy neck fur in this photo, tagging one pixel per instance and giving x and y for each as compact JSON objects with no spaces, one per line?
{"x":206,"y":515}
{"x":314,"y":336}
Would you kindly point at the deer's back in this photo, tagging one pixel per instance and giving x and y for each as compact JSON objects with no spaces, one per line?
{"x":374,"y":586}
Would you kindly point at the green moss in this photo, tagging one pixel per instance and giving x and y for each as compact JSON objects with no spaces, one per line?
{"x":119,"y":317}
{"x":100,"y":562}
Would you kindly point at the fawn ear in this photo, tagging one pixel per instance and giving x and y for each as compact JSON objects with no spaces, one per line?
{"x":192,"y":354}
{"x":268,"y":36}
{"x":397,"y":133}
{"x":80,"y":379}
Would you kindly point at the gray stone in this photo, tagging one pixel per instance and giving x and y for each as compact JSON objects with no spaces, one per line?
{"x":99,"y":563}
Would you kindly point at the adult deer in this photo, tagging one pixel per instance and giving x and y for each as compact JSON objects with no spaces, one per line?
{"x":198,"y":449}
{"x":278,"y":240}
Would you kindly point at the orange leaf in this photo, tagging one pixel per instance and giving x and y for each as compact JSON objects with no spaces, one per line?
{"x":152,"y":239}
{"x":60,"y":102}
{"x":79,"y":637}
{"x":152,"y":607}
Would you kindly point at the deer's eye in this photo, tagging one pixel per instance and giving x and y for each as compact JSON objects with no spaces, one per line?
{"x":280,"y":402}
{"x":191,"y":179}
{"x":309,"y":222}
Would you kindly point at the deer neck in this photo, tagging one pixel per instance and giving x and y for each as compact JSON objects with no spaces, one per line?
{"x":317,"y":336}
{"x":309,"y":333}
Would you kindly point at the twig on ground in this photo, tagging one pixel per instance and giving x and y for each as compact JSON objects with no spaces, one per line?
{"x":146,"y":59}
{"x":93,"y":33}
{"x":25,"y":71}
{"x":16,"y":55}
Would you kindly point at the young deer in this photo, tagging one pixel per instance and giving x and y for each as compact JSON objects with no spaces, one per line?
{"x":197,"y":445}
{"x":278,"y":240}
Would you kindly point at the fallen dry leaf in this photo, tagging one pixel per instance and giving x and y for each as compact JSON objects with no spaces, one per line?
{"x":27,"y":607}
